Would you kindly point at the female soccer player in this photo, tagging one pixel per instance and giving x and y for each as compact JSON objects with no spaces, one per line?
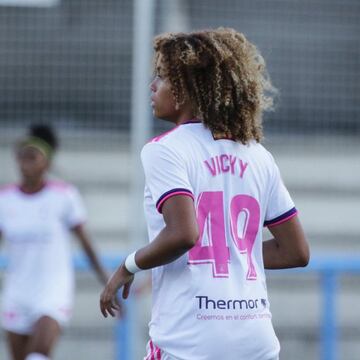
{"x":35,"y":219}
{"x":210,"y":188}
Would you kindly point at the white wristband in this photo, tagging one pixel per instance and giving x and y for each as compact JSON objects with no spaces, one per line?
{"x":130,"y":263}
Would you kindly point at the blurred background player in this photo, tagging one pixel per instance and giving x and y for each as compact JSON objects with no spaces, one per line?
{"x":36,"y":217}
{"x":210,"y":188}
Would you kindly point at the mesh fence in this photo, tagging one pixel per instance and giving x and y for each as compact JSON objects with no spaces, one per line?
{"x":68,"y":64}
{"x":312,"y":51}
{"x":71,"y":63}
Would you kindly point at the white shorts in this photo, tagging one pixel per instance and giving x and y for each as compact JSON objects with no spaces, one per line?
{"x":155,"y":353}
{"x":21,"y":319}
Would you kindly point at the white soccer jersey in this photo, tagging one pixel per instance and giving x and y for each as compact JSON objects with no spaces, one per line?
{"x":212,"y":302}
{"x":36,"y":230}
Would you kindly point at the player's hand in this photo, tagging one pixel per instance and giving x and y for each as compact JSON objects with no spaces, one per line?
{"x":108,"y":299}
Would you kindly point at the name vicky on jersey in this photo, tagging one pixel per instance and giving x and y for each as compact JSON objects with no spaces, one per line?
{"x":224,"y":163}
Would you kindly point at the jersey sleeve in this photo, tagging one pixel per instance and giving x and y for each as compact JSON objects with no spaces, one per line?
{"x":75,"y":210}
{"x":280,"y":207}
{"x":165,"y":173}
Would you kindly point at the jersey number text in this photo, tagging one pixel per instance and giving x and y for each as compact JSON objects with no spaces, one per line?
{"x":244,"y":214}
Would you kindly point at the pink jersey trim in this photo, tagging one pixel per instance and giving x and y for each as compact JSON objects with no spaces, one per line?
{"x":149,"y":356}
{"x":58,"y":184}
{"x":283,"y":220}
{"x":159,"y":137}
{"x":158,"y":357}
{"x":155,"y":352}
{"x":161,"y":203}
{"x":9,"y":187}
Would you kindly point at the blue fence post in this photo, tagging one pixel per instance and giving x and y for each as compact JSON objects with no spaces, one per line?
{"x":329,"y":334}
{"x":123,"y":331}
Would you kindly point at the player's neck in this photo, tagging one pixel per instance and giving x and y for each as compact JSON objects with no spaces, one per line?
{"x":185,"y":118}
{"x":183,"y":114}
{"x":31,"y":186}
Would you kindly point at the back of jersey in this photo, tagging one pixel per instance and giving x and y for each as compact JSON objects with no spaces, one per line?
{"x":218,"y":288}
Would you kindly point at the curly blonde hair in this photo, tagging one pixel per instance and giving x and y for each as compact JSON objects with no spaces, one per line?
{"x":223,"y":76}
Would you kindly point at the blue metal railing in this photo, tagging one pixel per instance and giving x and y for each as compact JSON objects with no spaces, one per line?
{"x":328,"y":267}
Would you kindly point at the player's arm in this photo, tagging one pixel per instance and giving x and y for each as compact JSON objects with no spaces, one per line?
{"x":288,"y":248}
{"x":86,"y":244}
{"x":177,"y":237}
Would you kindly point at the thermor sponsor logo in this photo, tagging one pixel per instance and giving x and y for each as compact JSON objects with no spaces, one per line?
{"x":205,"y":303}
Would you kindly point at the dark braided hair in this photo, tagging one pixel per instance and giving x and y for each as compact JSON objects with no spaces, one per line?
{"x":45,"y":133}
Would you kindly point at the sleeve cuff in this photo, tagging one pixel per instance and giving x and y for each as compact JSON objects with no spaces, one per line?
{"x":169,"y":194}
{"x":282,"y":218}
